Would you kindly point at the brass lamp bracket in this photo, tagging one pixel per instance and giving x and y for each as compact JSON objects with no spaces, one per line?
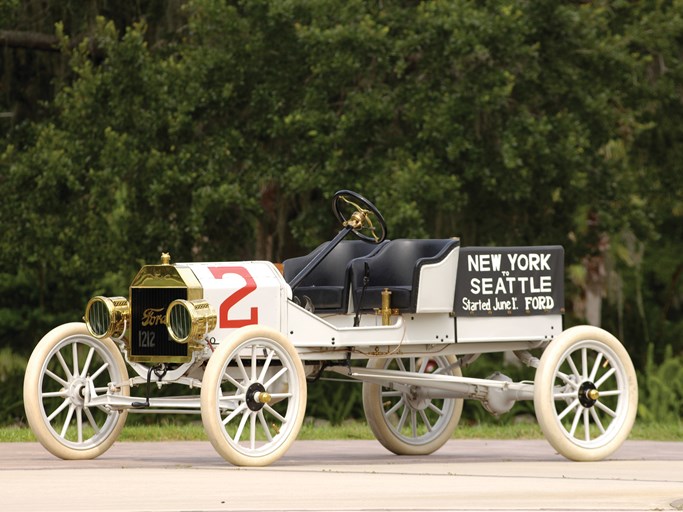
{"x":386,"y":310}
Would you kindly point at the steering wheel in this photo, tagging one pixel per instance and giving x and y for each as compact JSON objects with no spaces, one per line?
{"x":356,"y":213}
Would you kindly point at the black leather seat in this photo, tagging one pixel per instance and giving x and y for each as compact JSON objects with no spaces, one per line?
{"x":328,"y":285}
{"x":396,"y":266}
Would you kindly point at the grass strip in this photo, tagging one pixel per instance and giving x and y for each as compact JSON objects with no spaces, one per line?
{"x":320,"y":430}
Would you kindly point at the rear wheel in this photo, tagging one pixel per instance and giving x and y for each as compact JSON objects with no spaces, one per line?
{"x":253,"y":397}
{"x":585,"y":393}
{"x":64,"y":366}
{"x":410,"y":422}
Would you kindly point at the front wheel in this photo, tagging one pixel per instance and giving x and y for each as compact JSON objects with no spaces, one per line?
{"x":585,"y":393}
{"x":410,"y":422}
{"x":64,"y":366}
{"x":253,"y":397}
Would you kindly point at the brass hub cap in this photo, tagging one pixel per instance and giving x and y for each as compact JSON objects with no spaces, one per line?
{"x":588,"y":394}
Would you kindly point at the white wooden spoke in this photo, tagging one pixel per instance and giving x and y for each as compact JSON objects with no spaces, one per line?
{"x":275,"y":377}
{"x":56,"y":394}
{"x":272,"y":411}
{"x":425,"y":420}
{"x":56,"y":378}
{"x":569,"y":408}
{"x":596,"y":367}
{"x":252,"y":430}
{"x":570,"y":394}
{"x":597,"y":421}
{"x":240,"y":428}
{"x":605,"y":409}
{"x":390,"y":393}
{"x":394,"y":408}
{"x":65,"y":366}
{"x":232,"y":381}
{"x":99,"y":371}
{"x":571,"y":364}
{"x":233,"y":414}
{"x":264,"y":424}
{"x":67,"y":421}
{"x":74,"y":350}
{"x":240,"y":365}
{"x":584,"y":363}
{"x":434,"y":408}
{"x":92,"y":421}
{"x":413,"y":422}
{"x":423,"y":364}
{"x":400,"y":364}
{"x":575,"y":423}
{"x":79,"y":423}
{"x":227,"y":402}
{"x":586,"y":425}
{"x":567,"y":380}
{"x":402,"y":420}
{"x":266,"y":365}
{"x":88,"y":360}
{"x":59,"y":409}
{"x":412,"y":364}
{"x":606,"y":376}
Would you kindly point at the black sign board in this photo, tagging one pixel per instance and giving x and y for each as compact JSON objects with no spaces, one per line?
{"x":510,"y":281}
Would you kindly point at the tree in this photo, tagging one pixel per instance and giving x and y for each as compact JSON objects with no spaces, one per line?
{"x":503,"y":123}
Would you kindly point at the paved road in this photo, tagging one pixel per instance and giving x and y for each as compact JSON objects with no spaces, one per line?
{"x":343,"y":476}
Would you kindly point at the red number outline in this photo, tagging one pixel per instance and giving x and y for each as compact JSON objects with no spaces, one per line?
{"x":235,"y":297}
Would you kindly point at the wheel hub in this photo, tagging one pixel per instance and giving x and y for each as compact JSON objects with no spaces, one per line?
{"x":257,"y":397}
{"x":588,"y":394}
{"x":77,"y":391}
{"x":416,"y":400}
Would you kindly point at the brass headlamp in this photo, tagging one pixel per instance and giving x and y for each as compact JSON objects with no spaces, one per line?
{"x":107,"y":317}
{"x":189,"y":320}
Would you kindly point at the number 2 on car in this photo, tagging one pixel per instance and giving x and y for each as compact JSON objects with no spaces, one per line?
{"x":223,"y":316}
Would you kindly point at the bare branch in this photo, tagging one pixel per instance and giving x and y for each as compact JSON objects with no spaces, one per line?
{"x":29,"y":40}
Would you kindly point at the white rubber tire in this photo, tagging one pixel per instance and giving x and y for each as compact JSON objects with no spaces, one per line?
{"x":52,"y":382}
{"x":583,"y":360}
{"x":225,"y":402}
{"x":394,"y":435}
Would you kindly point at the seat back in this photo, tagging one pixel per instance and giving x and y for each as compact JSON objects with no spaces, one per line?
{"x":328,"y":284}
{"x":397,"y":267}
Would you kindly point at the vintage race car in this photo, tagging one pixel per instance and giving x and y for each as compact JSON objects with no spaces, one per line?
{"x":402,"y":316}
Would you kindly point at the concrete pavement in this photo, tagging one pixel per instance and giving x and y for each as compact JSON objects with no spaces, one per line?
{"x":343,"y":476}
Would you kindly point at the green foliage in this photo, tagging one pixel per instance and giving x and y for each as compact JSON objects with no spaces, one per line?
{"x":219,"y":130}
{"x":335,"y":401}
{"x":661,"y":388}
{"x":12,"y":368}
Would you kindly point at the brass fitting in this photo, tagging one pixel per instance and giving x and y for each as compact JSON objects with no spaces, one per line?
{"x":263,"y":397}
{"x":386,"y":311}
{"x":356,"y":220}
